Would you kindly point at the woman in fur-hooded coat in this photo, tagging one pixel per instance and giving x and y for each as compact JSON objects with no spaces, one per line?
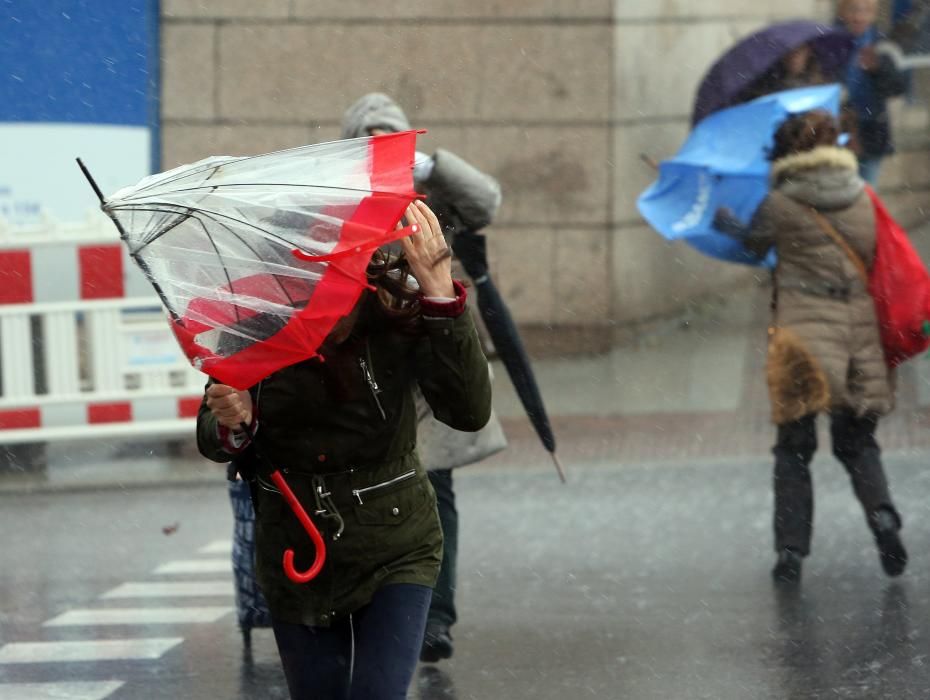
{"x":825,"y":353}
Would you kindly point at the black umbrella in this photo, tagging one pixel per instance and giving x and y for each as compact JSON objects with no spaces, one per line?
{"x":471,"y":250}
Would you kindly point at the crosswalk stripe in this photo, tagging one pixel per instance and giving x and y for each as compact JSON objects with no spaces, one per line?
{"x":93,"y":650}
{"x":78,"y":690}
{"x":196,"y":566}
{"x":217,"y":547}
{"x":139,"y":616}
{"x":171,"y":589}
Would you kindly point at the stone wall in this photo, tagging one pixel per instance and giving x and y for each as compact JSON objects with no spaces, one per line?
{"x":556,"y":98}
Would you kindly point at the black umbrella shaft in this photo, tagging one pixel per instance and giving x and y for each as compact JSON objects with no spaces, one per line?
{"x":90,"y":179}
{"x":122,"y":234}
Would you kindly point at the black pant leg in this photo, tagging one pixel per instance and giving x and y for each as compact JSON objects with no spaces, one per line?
{"x":442,"y":609}
{"x":794,"y":495}
{"x":855,"y":446}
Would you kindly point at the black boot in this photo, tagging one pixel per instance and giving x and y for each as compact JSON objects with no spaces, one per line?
{"x":890,"y":548}
{"x":437,"y":643}
{"x":787,"y":566}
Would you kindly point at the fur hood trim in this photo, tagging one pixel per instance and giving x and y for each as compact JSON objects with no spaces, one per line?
{"x":832,"y":157}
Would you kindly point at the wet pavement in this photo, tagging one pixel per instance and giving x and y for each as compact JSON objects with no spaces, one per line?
{"x":645,"y":581}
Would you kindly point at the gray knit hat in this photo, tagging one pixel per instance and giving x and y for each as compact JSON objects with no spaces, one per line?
{"x":373,"y":111}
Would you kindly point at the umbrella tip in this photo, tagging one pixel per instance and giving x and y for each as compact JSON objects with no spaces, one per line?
{"x":558,"y":466}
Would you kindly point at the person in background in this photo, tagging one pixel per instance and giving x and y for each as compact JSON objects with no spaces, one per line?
{"x":825,"y":354}
{"x":797,"y":68}
{"x":465,"y":201}
{"x":871,"y":78}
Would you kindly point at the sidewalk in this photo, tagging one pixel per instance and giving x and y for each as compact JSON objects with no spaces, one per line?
{"x":689,"y":389}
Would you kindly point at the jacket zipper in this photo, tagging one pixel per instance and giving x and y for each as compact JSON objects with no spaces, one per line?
{"x":367,"y":370}
{"x":384,"y":484}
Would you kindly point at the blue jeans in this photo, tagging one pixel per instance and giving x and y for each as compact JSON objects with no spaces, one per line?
{"x":370,"y":655}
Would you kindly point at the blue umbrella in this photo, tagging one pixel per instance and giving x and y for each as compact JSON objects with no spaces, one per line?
{"x":724,"y":164}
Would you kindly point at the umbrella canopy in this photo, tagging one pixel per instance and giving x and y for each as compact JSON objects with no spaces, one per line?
{"x":759,"y":53}
{"x":724,"y":164}
{"x":256,"y":259}
{"x":471,"y":250}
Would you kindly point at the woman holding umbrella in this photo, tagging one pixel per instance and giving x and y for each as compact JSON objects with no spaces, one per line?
{"x":344,"y":431}
{"x":825,"y":352}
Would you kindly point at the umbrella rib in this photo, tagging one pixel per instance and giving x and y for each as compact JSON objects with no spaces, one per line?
{"x":210,"y":215}
{"x":243,"y":159}
{"x":155,"y":208}
{"x":181,"y":176}
{"x":254,"y":252}
{"x":219,"y":255}
{"x":267,"y":184}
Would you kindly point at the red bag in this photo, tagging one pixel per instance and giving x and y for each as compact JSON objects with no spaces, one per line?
{"x":900,"y":286}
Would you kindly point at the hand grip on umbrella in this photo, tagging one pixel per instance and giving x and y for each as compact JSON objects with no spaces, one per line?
{"x":319,"y":546}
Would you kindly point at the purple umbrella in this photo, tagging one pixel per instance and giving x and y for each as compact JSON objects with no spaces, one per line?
{"x":759,"y":53}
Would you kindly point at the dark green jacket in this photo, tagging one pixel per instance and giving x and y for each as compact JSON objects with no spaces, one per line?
{"x":328,"y":419}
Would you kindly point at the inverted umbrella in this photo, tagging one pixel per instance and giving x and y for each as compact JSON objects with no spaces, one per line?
{"x":471,"y":249}
{"x":256,"y":259}
{"x":759,"y":53}
{"x":724,"y":164}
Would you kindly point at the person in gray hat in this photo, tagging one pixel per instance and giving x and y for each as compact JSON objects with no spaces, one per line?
{"x":465,"y":200}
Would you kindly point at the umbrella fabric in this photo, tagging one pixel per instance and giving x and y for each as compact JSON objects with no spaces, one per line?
{"x":256,"y":259}
{"x":758,"y":53}
{"x":724,"y":164}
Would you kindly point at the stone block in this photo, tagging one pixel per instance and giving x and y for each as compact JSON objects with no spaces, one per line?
{"x":522,"y":263}
{"x":909,"y":208}
{"x":688,"y":9}
{"x":452,"y":9}
{"x":548,"y":175}
{"x":225,"y":9}
{"x":188,"y":71}
{"x":631,"y":174}
{"x":188,"y":143}
{"x":653,"y":277}
{"x":582,"y":277}
{"x":905,"y":169}
{"x":490,"y":73}
{"x":659,"y":66}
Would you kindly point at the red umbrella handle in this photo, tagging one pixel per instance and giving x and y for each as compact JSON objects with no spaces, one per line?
{"x":320,"y":546}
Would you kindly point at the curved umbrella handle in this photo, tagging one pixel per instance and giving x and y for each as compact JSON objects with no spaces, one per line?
{"x":320,"y":546}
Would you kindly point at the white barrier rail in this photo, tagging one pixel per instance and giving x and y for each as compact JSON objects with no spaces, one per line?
{"x":85,"y":349}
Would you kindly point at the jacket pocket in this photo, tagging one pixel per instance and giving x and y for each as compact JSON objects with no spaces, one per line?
{"x":393,"y":501}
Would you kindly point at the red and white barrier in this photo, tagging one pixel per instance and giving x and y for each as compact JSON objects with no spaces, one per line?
{"x":85,"y":350}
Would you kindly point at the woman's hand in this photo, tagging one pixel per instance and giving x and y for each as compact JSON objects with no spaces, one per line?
{"x":232,"y":408}
{"x":426,"y":250}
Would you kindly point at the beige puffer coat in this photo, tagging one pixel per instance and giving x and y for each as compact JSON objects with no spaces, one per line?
{"x":824,"y":313}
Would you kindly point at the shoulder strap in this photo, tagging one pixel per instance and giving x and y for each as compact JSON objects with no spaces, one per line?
{"x":837,"y":238}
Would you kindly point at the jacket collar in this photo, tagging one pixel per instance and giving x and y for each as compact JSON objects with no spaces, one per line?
{"x":820,"y":157}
